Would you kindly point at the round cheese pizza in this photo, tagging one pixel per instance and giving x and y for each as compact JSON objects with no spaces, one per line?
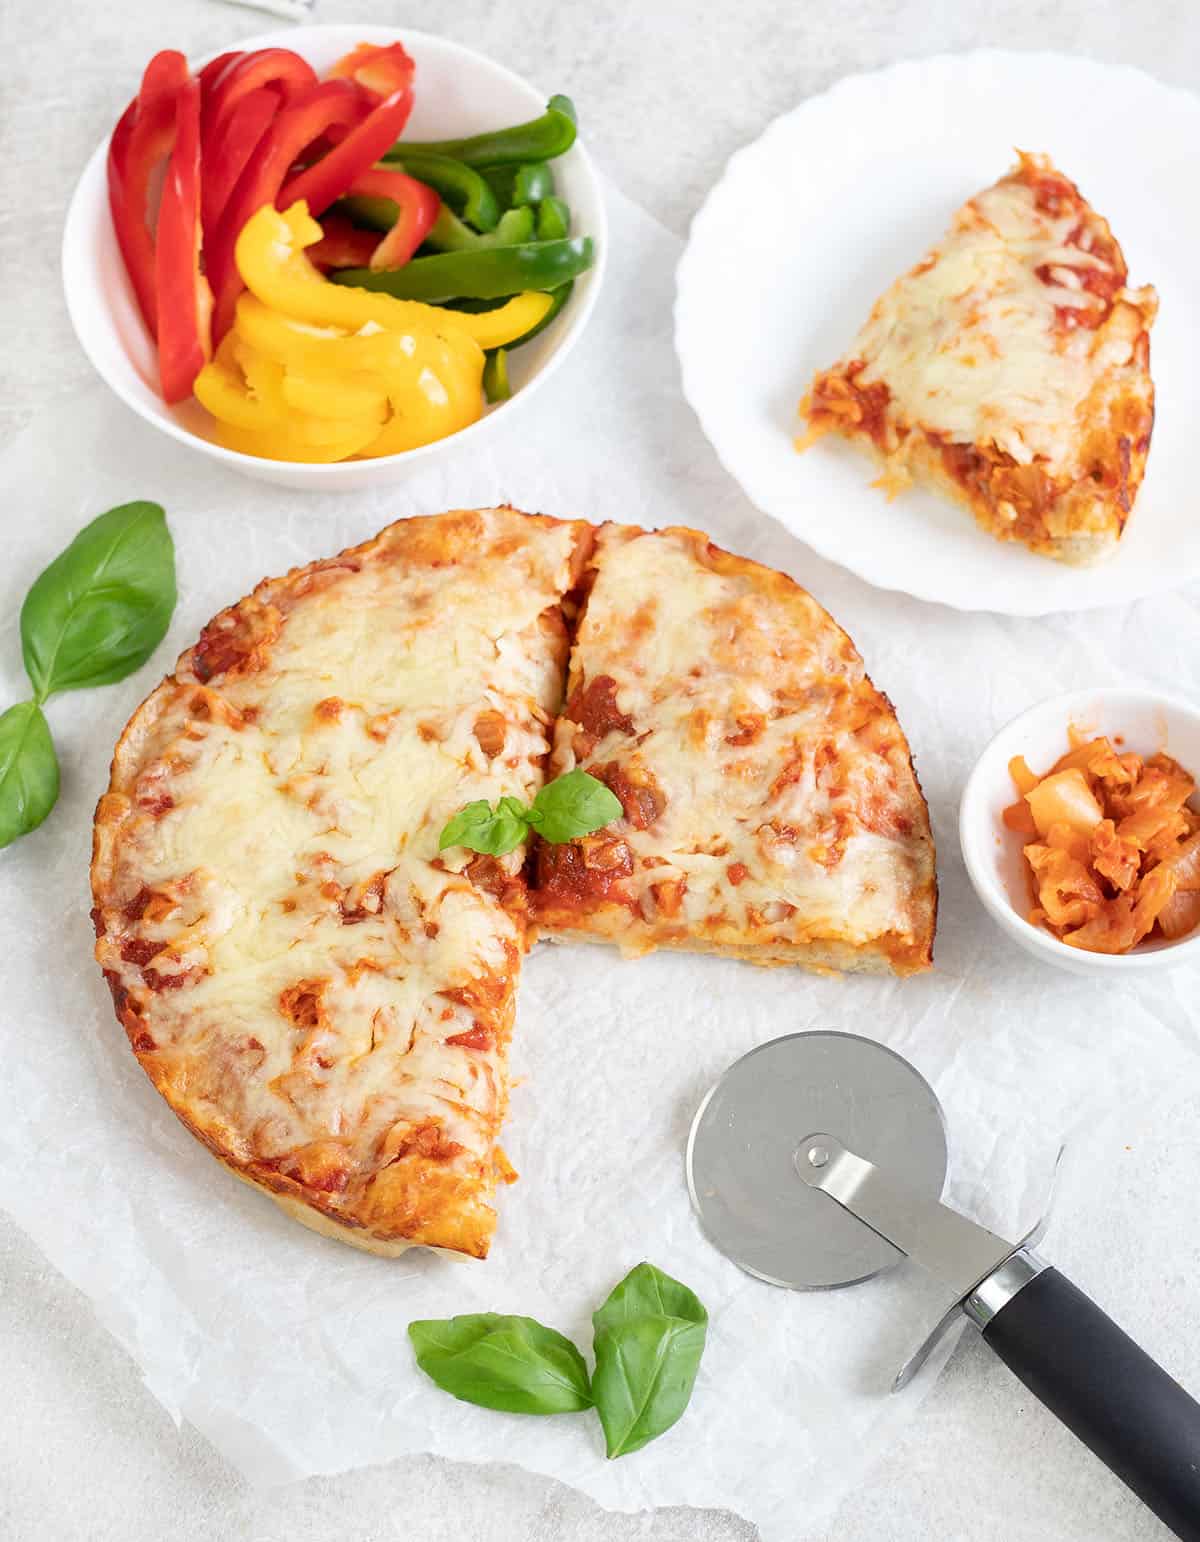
{"x":322,"y":995}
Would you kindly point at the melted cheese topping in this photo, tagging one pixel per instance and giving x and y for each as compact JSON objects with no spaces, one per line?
{"x":971,"y":344}
{"x":293,"y":959}
{"x":769,"y":799}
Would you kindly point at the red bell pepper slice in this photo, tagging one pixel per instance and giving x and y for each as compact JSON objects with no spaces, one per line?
{"x":418,"y":207}
{"x":381,"y":71}
{"x":332,"y":176}
{"x":212,"y":73}
{"x":343,"y":245}
{"x":227,"y":151}
{"x":293,"y":130}
{"x":184,"y":298}
{"x":291,"y":75}
{"x":140,"y":141}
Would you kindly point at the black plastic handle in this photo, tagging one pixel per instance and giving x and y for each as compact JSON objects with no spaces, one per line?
{"x":1136,"y":1418}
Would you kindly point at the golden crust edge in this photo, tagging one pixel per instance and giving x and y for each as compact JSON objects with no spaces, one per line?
{"x":918,"y":463}
{"x":825,"y":958}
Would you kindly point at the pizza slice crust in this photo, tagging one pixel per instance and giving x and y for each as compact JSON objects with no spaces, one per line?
{"x":827,"y":957}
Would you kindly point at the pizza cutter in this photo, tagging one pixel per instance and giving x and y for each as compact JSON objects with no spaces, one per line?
{"x":818,"y":1160}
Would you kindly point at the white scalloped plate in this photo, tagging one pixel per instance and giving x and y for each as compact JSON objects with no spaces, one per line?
{"x":815,"y":218}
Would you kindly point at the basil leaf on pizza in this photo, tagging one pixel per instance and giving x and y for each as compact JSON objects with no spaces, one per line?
{"x":572,"y":805}
{"x":514,"y":1364}
{"x":479,"y":827}
{"x":28,"y":771}
{"x":103,"y":605}
{"x":649,"y":1337}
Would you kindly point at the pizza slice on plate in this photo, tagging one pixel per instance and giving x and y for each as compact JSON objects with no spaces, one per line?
{"x":322,"y":997}
{"x":771,"y":811}
{"x":1010,"y":369}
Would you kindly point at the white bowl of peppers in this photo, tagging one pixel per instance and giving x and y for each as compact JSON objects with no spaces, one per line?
{"x":334,"y":252}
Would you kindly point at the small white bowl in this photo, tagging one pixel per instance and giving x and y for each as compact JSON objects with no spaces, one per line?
{"x":1145,"y":721}
{"x":458,"y":92}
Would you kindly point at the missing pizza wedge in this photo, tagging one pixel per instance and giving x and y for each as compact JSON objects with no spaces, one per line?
{"x":1010,"y":370}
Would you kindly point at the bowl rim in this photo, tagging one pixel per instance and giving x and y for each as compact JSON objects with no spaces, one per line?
{"x":320,"y":472}
{"x":996,"y":901}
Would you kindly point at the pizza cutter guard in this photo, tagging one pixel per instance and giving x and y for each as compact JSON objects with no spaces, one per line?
{"x":818,"y":1160}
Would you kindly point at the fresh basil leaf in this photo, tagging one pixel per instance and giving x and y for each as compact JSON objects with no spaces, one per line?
{"x":470,"y":819}
{"x":572,"y":805}
{"x":103,"y":605}
{"x":649,"y":1337}
{"x":511,"y":1363}
{"x":28,"y":771}
{"x":480,"y":828}
{"x":647,"y":1292}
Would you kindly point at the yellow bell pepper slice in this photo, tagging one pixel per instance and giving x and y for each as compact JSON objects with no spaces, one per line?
{"x":430,"y":380}
{"x":270,"y":258}
{"x":310,"y":349}
{"x":263,"y":377}
{"x":279,"y":444}
{"x":224,"y":390}
{"x":337,"y":398}
{"x":496,"y":329}
{"x":247,"y":393}
{"x":432,"y":394}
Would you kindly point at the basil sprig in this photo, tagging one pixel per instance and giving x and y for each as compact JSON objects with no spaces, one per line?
{"x":649,"y":1337}
{"x":572,"y":805}
{"x":92,"y":617}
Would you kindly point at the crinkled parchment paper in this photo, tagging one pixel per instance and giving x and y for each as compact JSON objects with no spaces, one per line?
{"x":289,"y":1351}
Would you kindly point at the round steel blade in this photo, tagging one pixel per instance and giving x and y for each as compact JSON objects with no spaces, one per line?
{"x":744,"y":1140}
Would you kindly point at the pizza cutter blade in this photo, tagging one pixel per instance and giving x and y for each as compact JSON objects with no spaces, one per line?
{"x":818,"y":1160}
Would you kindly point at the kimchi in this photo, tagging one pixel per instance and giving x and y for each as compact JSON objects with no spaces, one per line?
{"x":1112,"y":847}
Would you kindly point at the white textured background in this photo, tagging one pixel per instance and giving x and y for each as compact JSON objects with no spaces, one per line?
{"x":666,"y":91}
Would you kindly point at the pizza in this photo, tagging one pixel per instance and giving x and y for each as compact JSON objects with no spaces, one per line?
{"x":322,"y":998}
{"x":1009,"y":369}
{"x":322,"y":995}
{"x":771,"y":811}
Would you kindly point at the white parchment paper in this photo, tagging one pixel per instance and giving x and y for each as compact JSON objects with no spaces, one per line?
{"x":289,"y":1351}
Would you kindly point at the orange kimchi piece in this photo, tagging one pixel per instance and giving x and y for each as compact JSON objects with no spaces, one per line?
{"x":1112,"y":846}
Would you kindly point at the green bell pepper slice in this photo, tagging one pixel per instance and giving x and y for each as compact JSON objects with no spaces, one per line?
{"x":455,"y":183}
{"x":495,"y":376}
{"x":516,"y":186}
{"x":486,"y":275}
{"x":374,"y":213}
{"x":553,"y":220}
{"x":449,"y":234}
{"x":541,"y":139}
